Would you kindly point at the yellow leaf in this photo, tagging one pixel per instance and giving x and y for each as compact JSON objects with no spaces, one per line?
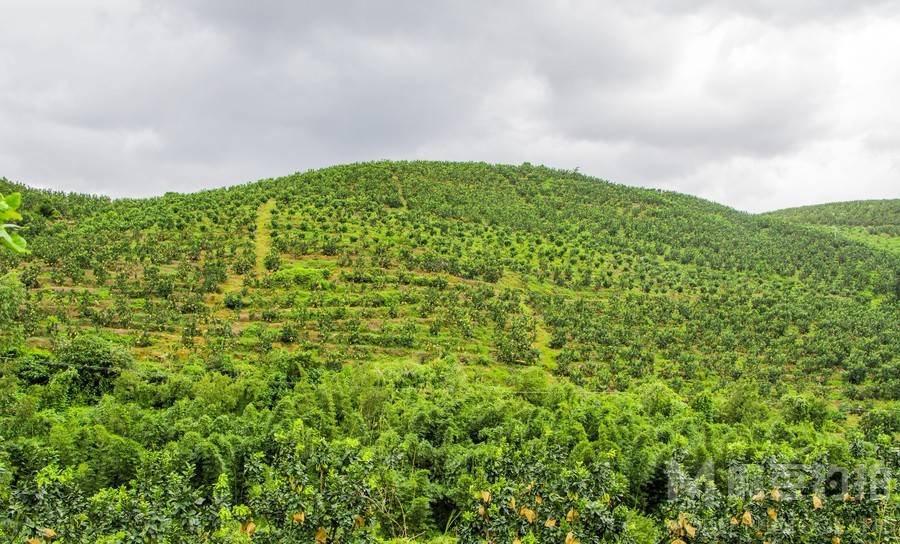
{"x":538,"y":499}
{"x":734,"y":520}
{"x":486,"y":496}
{"x":48,"y":533}
{"x":758,"y":497}
{"x":359,"y":521}
{"x":298,"y":517}
{"x":516,"y":541}
{"x":34,"y":541}
{"x":747,"y":518}
{"x":570,"y":538}
{"x":551,"y":522}
{"x":772,"y":513}
{"x":512,"y":503}
{"x":673,"y":526}
{"x":481,"y":510}
{"x":321,"y":536}
{"x":690,"y":530}
{"x":678,"y":541}
{"x":776,"y":495}
{"x":571,"y":515}
{"x":248,"y":528}
{"x":835,"y":540}
{"x":848,"y":497}
{"x":817,"y":502}
{"x":528,"y":514}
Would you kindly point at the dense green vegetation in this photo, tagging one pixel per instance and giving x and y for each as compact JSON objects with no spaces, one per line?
{"x":444,"y":352}
{"x":9,"y":211}
{"x":872,"y":222}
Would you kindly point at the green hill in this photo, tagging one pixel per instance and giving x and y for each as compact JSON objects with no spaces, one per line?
{"x":435,"y":351}
{"x":875,"y":223}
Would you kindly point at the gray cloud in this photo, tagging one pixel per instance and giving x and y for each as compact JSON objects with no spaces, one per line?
{"x":782,"y":12}
{"x":755,"y":104}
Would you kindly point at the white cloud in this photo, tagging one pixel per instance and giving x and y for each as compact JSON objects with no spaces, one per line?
{"x":758,"y":105}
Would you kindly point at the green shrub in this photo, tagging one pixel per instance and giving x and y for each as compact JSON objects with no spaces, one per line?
{"x":97,"y":361}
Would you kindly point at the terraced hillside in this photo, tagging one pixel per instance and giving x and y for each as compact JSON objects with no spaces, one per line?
{"x":430,"y":351}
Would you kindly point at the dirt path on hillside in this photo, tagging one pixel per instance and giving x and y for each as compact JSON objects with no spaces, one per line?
{"x":542,"y":334}
{"x":263,"y":240}
{"x":400,"y":194}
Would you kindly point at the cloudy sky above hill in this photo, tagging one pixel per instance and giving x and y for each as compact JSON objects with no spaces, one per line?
{"x":755,"y":104}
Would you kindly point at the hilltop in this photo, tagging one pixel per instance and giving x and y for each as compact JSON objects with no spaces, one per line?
{"x":436,"y":350}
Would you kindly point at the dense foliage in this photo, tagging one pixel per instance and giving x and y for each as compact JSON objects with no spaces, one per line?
{"x":876,"y":214}
{"x":872,"y":222}
{"x":443,"y":352}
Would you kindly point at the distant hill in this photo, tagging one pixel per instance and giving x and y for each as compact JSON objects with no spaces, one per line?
{"x":440,"y":351}
{"x":873,"y":222}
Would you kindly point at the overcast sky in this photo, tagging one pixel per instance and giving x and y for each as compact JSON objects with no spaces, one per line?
{"x":755,"y":104}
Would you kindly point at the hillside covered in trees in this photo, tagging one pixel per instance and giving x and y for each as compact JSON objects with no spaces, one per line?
{"x":447,"y":352}
{"x":872,"y":222}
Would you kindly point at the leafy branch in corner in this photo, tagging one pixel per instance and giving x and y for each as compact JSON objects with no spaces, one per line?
{"x":9,"y":212}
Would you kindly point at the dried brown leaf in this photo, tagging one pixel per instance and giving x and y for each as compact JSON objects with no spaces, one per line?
{"x":528,"y":514}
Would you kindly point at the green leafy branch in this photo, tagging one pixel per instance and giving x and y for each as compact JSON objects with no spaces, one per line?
{"x":9,"y":212}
